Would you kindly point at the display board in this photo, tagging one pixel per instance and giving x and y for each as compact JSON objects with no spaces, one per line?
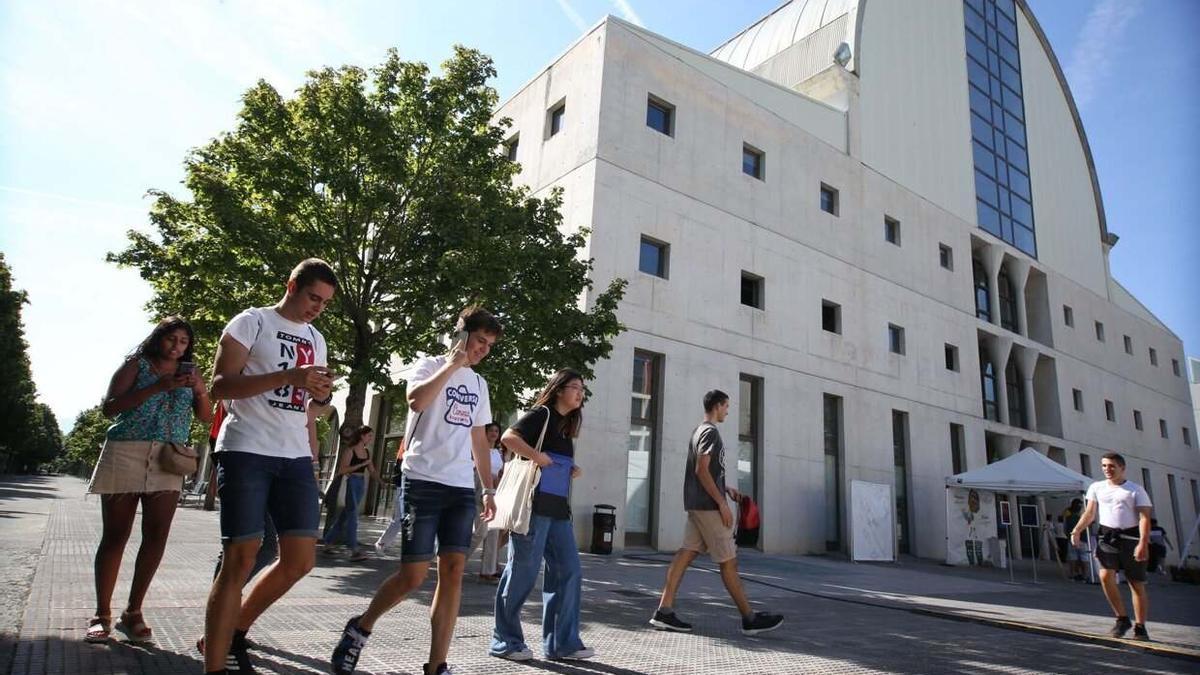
{"x":970,"y":522}
{"x":872,"y":522}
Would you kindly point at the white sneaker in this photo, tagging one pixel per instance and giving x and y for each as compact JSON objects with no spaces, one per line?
{"x":579,"y":654}
{"x":519,"y":655}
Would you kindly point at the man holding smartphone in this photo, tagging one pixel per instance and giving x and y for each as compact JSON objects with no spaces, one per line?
{"x":448,"y":409}
{"x":271,"y":369}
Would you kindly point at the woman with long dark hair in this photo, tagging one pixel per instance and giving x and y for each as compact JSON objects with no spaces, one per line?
{"x":354,"y":467}
{"x":153,"y":396}
{"x":558,"y":410}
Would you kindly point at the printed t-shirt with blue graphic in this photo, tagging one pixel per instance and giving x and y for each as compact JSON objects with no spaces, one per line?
{"x":275,"y":422}
{"x":439,"y":449}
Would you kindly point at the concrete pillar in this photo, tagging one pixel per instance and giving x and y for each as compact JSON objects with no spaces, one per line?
{"x":1027,"y":362}
{"x":1018,"y":273}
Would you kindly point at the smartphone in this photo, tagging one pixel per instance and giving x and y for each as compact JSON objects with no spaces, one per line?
{"x":185,"y":368}
{"x":460,"y":338}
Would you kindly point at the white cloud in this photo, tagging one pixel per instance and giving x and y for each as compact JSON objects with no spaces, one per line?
{"x":572,"y":14}
{"x":1098,"y":42}
{"x":627,"y":12}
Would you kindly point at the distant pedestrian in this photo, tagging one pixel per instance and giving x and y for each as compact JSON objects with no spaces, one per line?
{"x":354,"y":467}
{"x":393,"y":529}
{"x":448,"y":406}
{"x":484,"y":536}
{"x":1123,"y":508}
{"x":1159,"y":545}
{"x":709,"y":524}
{"x":558,"y":410}
{"x":1078,"y":559}
{"x":271,"y":367}
{"x":153,"y":396}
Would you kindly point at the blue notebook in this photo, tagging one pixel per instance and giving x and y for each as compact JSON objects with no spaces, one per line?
{"x":556,"y":478}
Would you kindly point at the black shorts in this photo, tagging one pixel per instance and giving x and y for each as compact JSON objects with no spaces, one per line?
{"x":1115,"y":551}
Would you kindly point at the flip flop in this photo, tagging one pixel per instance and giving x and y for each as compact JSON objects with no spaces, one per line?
{"x":134,"y":627}
{"x":99,"y":629}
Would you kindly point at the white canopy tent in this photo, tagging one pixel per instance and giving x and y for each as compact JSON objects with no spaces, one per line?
{"x":970,"y":500}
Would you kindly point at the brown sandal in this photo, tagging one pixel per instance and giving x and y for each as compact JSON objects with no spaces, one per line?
{"x":99,"y":629}
{"x":134,"y":627}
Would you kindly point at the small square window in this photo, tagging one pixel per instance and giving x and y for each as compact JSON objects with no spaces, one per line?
{"x":752,"y":161}
{"x":829,"y":199}
{"x":951,"y":357}
{"x":1137,"y":420}
{"x":1162,"y":428}
{"x":660,"y":115}
{"x":1187,"y":437}
{"x":1153,"y":357}
{"x":891,"y":230}
{"x":831,"y":317}
{"x":1129,"y":345}
{"x":1068,"y":316}
{"x":510,"y":148}
{"x":1100,"y":331}
{"x":752,"y":290}
{"x":653,"y":257}
{"x":1175,"y":367}
{"x":1110,"y":411}
{"x":557,"y":117}
{"x":895,"y":339}
{"x":946,"y":256}
{"x":1077,"y":399}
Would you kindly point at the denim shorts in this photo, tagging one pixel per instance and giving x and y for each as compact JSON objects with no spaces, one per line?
{"x":439,"y":513}
{"x":252,"y":486}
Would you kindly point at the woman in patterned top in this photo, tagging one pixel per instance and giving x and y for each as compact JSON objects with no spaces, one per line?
{"x":153,"y":397}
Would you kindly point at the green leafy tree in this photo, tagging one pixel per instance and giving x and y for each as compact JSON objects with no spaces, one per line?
{"x":81,"y":448}
{"x":397,"y":178}
{"x":18,"y":415}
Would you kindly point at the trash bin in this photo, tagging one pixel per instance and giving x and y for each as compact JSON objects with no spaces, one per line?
{"x":604,"y":523}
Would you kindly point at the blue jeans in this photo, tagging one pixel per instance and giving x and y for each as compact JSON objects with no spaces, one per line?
{"x":347,"y":518}
{"x":553,"y":540}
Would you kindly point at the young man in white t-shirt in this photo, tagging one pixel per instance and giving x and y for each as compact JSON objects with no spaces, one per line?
{"x":449,"y":407}
{"x":271,"y":367}
{"x":1124,"y":542}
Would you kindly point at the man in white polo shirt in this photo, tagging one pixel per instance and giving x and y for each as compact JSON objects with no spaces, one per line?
{"x":1124,"y":542}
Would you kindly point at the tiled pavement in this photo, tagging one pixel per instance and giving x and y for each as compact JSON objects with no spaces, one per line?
{"x":840,"y":619}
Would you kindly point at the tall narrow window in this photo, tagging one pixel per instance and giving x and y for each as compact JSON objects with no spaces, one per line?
{"x":752,"y":290}
{"x":510,"y":148}
{"x":1175,"y":367}
{"x":1137,"y":420}
{"x":829,"y":199}
{"x":1110,"y":411}
{"x":1003,"y":201}
{"x":833,"y":472}
{"x":958,"y":456}
{"x":1068,"y":316}
{"x":558,"y":115}
{"x":891,"y":230}
{"x":1187,"y":437}
{"x":987,"y":378}
{"x":749,"y":407}
{"x":951,"y":357}
{"x":1016,"y":396}
{"x":1196,"y":496}
{"x":1129,"y":344}
{"x":983,"y":295}
{"x":752,"y":161}
{"x":831,"y":317}
{"x":1147,"y":484}
{"x":1100,"y":331}
{"x":895,"y":339}
{"x":1077,"y":399}
{"x":660,"y":115}
{"x":946,"y":256}
{"x":1085,"y":465}
{"x":1153,"y":357}
{"x":900,"y":456}
{"x":643,"y":447}
{"x":1174,"y":494}
{"x":1162,"y":428}
{"x":1008,"y":302}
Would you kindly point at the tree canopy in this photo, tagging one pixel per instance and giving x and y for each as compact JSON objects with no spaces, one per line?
{"x":396,"y":177}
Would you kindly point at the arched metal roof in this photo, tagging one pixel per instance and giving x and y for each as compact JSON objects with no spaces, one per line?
{"x":787,"y":24}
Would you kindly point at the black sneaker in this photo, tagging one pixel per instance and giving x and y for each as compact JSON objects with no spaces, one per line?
{"x":238,"y":658}
{"x":1121,"y":627}
{"x":442,"y":669}
{"x":345,"y":655}
{"x":761,"y":622}
{"x":670,"y":622}
{"x":1139,"y":632}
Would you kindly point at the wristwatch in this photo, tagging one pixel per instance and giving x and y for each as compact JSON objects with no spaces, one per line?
{"x":489,"y":491}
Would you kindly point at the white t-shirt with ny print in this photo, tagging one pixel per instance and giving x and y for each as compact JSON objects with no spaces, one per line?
{"x":439,"y":449}
{"x":275,"y":422}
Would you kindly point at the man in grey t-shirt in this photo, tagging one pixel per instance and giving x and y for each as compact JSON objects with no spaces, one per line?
{"x":709,"y":523}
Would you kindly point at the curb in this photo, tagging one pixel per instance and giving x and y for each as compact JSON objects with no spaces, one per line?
{"x":1156,"y":649}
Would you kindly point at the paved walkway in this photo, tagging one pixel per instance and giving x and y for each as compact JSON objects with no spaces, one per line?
{"x":917,"y":617}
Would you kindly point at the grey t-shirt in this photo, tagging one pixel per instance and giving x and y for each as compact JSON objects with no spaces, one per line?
{"x":705,"y":440}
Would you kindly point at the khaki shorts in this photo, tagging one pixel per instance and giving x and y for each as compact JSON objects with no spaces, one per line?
{"x":705,"y":533}
{"x":128,"y":467}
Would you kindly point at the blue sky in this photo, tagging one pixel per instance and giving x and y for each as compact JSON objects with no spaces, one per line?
{"x":101,"y":101}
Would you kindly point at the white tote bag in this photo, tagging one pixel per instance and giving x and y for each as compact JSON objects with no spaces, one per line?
{"x":514,"y":496}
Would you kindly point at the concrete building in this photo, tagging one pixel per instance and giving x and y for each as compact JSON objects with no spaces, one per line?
{"x":877,"y":225}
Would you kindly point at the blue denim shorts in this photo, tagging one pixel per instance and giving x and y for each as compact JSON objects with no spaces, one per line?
{"x":436,"y":513}
{"x":252,"y":486}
